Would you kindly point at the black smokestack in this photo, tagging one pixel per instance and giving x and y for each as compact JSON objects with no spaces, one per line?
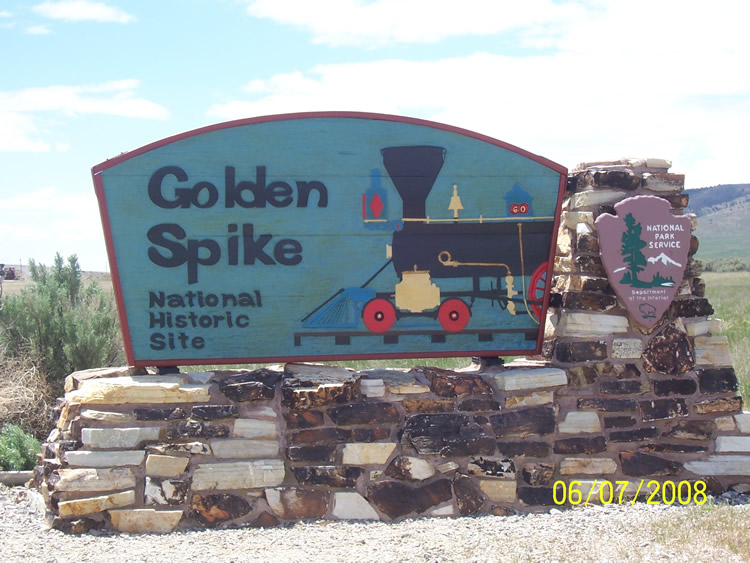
{"x":413,"y":171}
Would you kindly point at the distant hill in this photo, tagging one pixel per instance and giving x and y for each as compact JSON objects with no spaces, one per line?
{"x":723,"y":221}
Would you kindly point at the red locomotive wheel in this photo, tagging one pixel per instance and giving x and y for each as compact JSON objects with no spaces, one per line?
{"x":379,"y":315}
{"x":454,"y":315}
{"x":537,"y":284}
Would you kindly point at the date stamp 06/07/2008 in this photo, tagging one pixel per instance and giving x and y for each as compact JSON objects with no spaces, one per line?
{"x":620,"y":492}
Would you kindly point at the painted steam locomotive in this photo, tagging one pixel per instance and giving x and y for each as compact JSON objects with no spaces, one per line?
{"x":500,"y":259}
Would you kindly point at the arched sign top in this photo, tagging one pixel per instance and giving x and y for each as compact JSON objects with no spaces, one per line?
{"x":331,"y":235}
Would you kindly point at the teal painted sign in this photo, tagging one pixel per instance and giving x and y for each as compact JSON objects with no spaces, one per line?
{"x":329,"y":236}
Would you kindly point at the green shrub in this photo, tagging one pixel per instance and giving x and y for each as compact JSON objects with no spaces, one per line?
{"x":61,"y":323}
{"x":17,"y":449}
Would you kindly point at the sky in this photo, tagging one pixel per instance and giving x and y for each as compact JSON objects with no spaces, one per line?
{"x":82,"y":81}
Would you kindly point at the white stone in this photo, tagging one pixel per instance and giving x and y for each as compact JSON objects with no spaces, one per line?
{"x":194,"y":448}
{"x":733,"y":444}
{"x":104,"y":416}
{"x":580,"y":421}
{"x":564,"y":241}
{"x":165,"y":465}
{"x":661,"y":185}
{"x":712,"y":351}
{"x":591,"y":324}
{"x":260,"y":412}
{"x":530,"y":400}
{"x":397,"y":381}
{"x":253,"y":474}
{"x":519,"y":379}
{"x":352,"y":506}
{"x":164,"y":491}
{"x":417,"y":468}
{"x":721,"y":465}
{"x":118,"y":437}
{"x":703,"y":327}
{"x":743,"y":422}
{"x":627,"y":348}
{"x":447,"y":510}
{"x":245,"y":449}
{"x":83,"y":506}
{"x":447,"y":467}
{"x":365,"y":453}
{"x":145,"y":520}
{"x":138,"y":389}
{"x":498,"y":490}
{"x":587,"y":466}
{"x":200,"y":377}
{"x":372,"y":387}
{"x":254,"y":428}
{"x":595,"y":197}
{"x":91,"y":479}
{"x":564,"y":265}
{"x":83,"y":458}
{"x":724,"y":423}
{"x":572,"y":219}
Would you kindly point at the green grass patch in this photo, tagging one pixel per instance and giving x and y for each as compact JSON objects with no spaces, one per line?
{"x":727,"y":293}
{"x":17,"y":449}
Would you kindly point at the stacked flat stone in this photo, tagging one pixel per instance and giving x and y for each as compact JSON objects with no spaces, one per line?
{"x":608,"y":401}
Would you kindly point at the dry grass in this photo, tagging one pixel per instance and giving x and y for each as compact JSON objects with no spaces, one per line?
{"x":26,"y":398}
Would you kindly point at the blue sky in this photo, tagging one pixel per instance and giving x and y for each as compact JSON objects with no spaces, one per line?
{"x":82,"y":81}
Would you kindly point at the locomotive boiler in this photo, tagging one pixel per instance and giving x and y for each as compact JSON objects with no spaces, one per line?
{"x":444,"y":265}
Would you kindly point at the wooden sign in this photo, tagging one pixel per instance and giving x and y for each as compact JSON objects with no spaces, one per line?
{"x":644,"y":250}
{"x":329,"y":236}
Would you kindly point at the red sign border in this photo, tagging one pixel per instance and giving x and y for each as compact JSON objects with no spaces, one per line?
{"x":99,"y":189}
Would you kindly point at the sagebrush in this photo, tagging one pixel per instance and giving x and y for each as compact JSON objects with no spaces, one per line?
{"x":26,"y":397}
{"x":18,"y":450}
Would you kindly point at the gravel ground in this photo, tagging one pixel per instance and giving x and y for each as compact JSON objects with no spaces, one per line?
{"x":612,"y":533}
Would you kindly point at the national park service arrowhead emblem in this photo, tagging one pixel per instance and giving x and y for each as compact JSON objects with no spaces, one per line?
{"x":644,"y":249}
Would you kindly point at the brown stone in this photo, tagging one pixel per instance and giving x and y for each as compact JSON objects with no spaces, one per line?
{"x":212,"y":412}
{"x":407,"y":468}
{"x":581,"y":376}
{"x":669,"y":352}
{"x":607,"y":405}
{"x":587,"y":242}
{"x":536,"y":496}
{"x":573,"y":352}
{"x":479,"y":405}
{"x":692,"y":430}
{"x":617,"y":179}
{"x":196,"y":429}
{"x":698,"y":287}
{"x":626,"y":371}
{"x":156,"y":413}
{"x":672,"y":448}
{"x":214,"y":509}
{"x":622,"y":386}
{"x":674,"y":386}
{"x":377,"y":434}
{"x":319,"y":435}
{"x":588,"y":301}
{"x":538,"y":474}
{"x":303,"y":419}
{"x":695,"y":268}
{"x":172,"y":492}
{"x":445,"y":383}
{"x":296,"y":503}
{"x":590,"y":265}
{"x":256,"y":385}
{"x":468,"y":498}
{"x":427,"y":406}
{"x":525,"y":448}
{"x":265,"y":520}
{"x":315,"y":454}
{"x":618,"y":421}
{"x":309,"y":386}
{"x":447,"y":435}
{"x":492,"y":467}
{"x":658,"y":409}
{"x":78,"y":526}
{"x":714,"y":406}
{"x":690,"y":307}
{"x":328,"y":475}
{"x":694,"y":245}
{"x":637,"y":464}
{"x":636,"y":435}
{"x":523,"y":422}
{"x":364,"y":413}
{"x":719,"y":380}
{"x":397,"y":499}
{"x":587,"y":445}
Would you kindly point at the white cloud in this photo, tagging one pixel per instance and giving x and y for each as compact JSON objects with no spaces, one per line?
{"x":82,"y":10}
{"x":381,"y":22}
{"x":21,"y":126}
{"x":38,"y":30}
{"x":5,"y":14}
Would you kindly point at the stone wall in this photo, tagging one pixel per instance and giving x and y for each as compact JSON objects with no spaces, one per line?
{"x":140,"y":451}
